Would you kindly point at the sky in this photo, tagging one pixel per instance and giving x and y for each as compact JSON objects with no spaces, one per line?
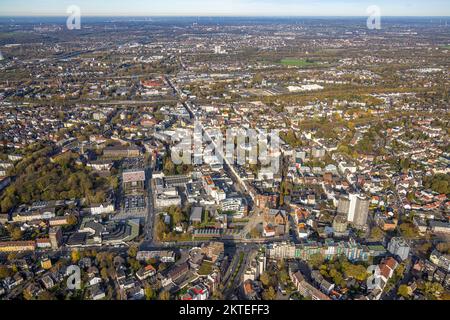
{"x":225,"y":7}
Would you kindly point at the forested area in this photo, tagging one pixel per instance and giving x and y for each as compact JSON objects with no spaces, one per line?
{"x":37,"y":178}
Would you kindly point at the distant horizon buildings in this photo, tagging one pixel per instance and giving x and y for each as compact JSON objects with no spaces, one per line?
{"x":226,"y":8}
{"x":219,"y":50}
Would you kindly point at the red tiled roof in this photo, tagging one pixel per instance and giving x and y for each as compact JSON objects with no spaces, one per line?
{"x":43,"y":240}
{"x":17,"y":243}
{"x":150,"y":267}
{"x":248,"y":288}
{"x":391,"y":263}
{"x":385,"y":271}
{"x":151,"y":83}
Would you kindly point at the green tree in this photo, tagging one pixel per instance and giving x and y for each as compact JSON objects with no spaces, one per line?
{"x":439,"y":183}
{"x":258,"y":78}
{"x":27,"y":295}
{"x":408,"y":230}
{"x":425,"y":248}
{"x":445,"y":296}
{"x":46,"y":295}
{"x":284,"y":276}
{"x":132,"y":251}
{"x":150,"y":294}
{"x":134,"y":264}
{"x":403,"y":291}
{"x":72,"y":220}
{"x":376,"y":234}
{"x":359,"y":272}
{"x":338,"y":278}
{"x":255,"y":233}
{"x":104,"y":274}
{"x":16,"y":233}
{"x":291,"y":138}
{"x":7,"y":204}
{"x":5,"y":272}
{"x":443,"y":247}
{"x":433,"y":289}
{"x":316,"y":260}
{"x":164,"y":295}
{"x":177,"y":215}
{"x":269,"y":294}
{"x":399,"y":272}
{"x":169,"y":167}
{"x":265,"y":279}
{"x":75,"y":255}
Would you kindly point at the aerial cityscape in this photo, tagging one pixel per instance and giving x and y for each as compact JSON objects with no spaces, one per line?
{"x":224,"y":157}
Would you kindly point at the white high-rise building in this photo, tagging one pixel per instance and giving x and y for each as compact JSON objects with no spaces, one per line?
{"x":399,"y":247}
{"x":261,"y":268}
{"x":356,"y":207}
{"x":352,"y":208}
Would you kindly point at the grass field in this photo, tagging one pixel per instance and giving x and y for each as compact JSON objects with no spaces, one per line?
{"x":296,"y":62}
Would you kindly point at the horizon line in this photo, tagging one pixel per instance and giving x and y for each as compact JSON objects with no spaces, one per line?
{"x":217,"y":15}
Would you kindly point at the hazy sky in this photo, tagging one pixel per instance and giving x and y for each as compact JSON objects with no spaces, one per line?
{"x":226,"y":7}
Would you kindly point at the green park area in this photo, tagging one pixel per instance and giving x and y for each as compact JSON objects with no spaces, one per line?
{"x":297,"y":62}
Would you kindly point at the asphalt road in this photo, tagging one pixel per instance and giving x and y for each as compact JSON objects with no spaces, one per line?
{"x":150,"y":221}
{"x":233,"y":287}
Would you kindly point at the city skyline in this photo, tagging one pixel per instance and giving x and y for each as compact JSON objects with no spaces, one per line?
{"x":226,"y":8}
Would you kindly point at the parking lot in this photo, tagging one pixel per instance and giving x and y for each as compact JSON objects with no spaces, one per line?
{"x":134,"y":204}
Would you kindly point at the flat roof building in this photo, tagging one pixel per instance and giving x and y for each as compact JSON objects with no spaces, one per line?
{"x":196,"y":215}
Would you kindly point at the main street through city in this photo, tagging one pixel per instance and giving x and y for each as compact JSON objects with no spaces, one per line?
{"x":151,"y":242}
{"x":149,"y":229}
